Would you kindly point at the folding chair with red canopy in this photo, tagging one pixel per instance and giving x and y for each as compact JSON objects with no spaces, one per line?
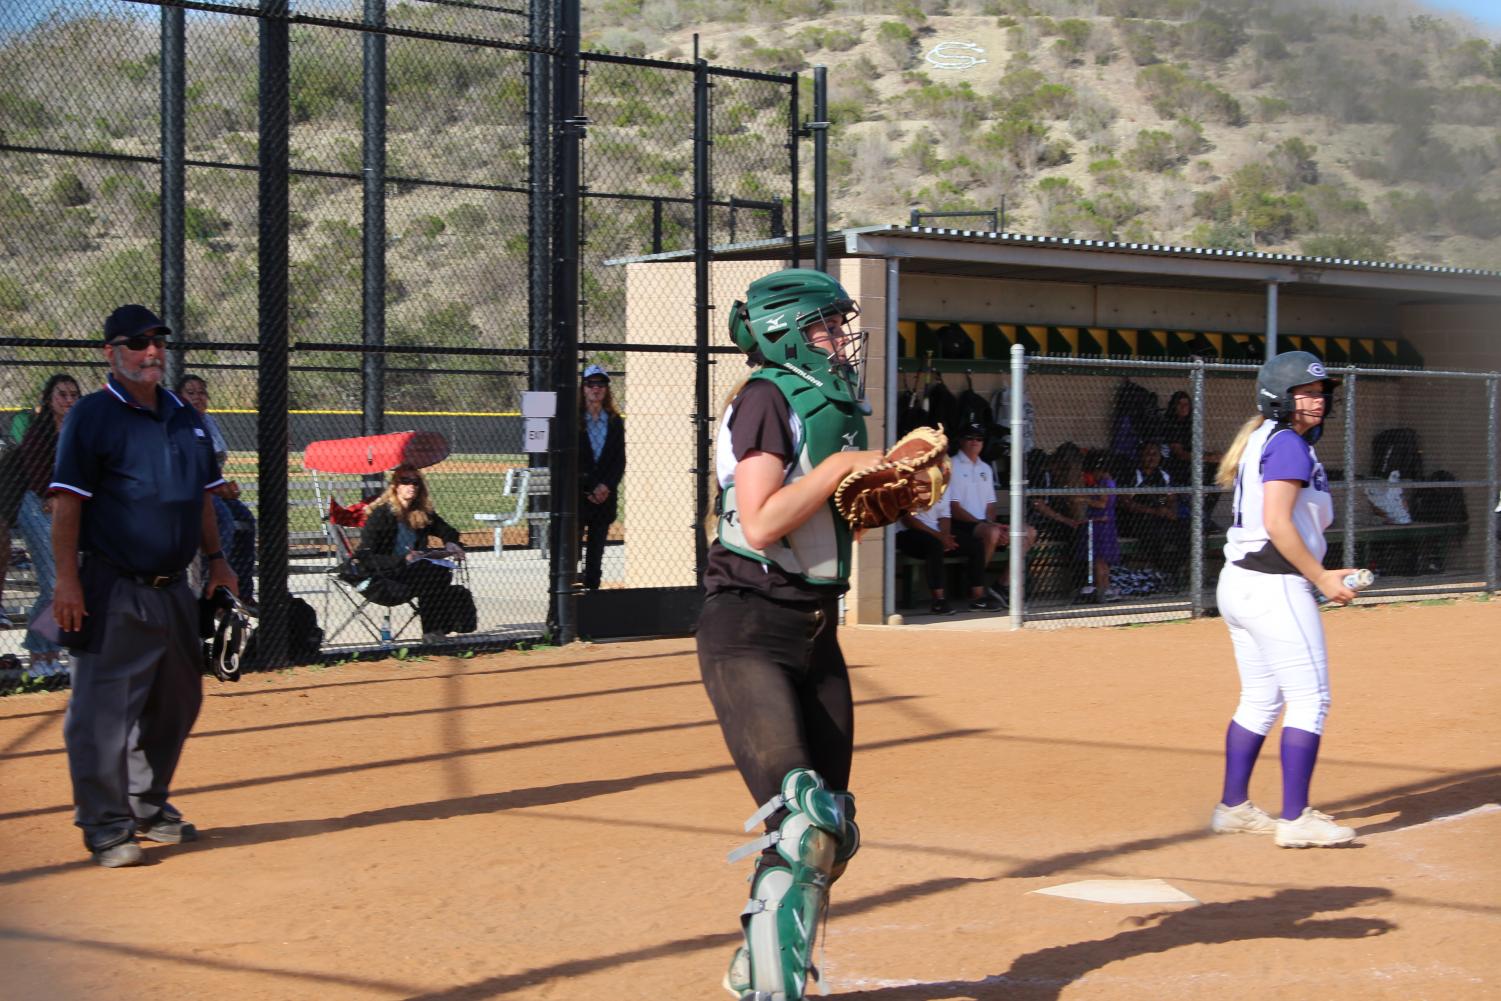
{"x":368,"y":455}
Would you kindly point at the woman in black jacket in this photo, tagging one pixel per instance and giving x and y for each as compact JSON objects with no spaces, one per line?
{"x":393,"y":553}
{"x":601,"y":466}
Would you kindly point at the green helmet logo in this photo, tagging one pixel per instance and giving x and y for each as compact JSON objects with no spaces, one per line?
{"x":797,"y":319}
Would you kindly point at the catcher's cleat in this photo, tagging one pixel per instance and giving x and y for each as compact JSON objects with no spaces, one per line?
{"x":817,"y":838}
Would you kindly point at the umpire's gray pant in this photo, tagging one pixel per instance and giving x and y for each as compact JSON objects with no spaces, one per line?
{"x":132,"y":707}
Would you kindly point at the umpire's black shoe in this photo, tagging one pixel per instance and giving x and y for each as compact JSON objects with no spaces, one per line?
{"x":118,"y":855}
{"x":941,"y":607}
{"x":167,"y":830}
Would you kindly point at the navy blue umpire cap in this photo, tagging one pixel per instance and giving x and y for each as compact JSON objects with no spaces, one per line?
{"x":595,"y":372}
{"x":127,"y":321}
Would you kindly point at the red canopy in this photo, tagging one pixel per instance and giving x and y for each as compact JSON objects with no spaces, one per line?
{"x":376,"y":453}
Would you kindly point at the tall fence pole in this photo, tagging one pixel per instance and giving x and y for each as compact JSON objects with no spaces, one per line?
{"x":1348,"y":559}
{"x":173,"y":183}
{"x":565,"y":335}
{"x":373,"y":363}
{"x":892,"y":339}
{"x":820,"y":127}
{"x":1493,"y":461}
{"x":1196,"y":479}
{"x":539,"y":201}
{"x":273,"y":251}
{"x":1018,"y":557}
{"x":702,"y":193}
{"x":794,"y":136}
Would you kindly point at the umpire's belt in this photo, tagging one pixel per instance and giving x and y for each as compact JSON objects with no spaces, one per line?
{"x":153,"y":580}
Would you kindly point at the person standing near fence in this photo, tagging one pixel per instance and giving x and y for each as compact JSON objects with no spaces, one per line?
{"x":36,"y":454}
{"x":768,"y":646}
{"x":601,"y":467}
{"x":131,"y":497}
{"x":236,"y":522}
{"x":1273,"y":565}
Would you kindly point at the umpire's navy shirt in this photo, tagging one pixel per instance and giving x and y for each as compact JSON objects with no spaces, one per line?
{"x":142,"y":474}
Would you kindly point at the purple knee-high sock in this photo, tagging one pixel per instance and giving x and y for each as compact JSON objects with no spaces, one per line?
{"x":1241,"y":748}
{"x":1300,"y":750}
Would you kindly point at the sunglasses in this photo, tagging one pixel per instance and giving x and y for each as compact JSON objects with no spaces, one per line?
{"x":139,"y":342}
{"x":408,"y":481}
{"x":595,"y":385}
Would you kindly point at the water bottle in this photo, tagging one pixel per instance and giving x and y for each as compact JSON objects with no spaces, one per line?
{"x":385,"y":634}
{"x":1359,"y":580}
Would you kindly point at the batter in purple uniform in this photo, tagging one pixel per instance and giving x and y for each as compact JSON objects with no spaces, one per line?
{"x":1274,"y":555}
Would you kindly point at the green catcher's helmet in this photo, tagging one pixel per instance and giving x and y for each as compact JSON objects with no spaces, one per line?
{"x":773,"y":323}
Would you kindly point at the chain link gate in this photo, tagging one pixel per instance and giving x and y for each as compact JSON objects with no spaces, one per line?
{"x":357,"y":218}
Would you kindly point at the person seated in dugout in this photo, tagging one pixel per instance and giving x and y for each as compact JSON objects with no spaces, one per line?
{"x":1158,"y":520}
{"x":926,"y":535}
{"x":972,"y":509}
{"x":394,"y":557}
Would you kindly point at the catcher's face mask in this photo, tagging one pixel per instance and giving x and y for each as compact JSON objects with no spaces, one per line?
{"x":231,"y":632}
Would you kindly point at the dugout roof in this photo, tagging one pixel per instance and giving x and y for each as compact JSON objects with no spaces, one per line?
{"x":973,"y":253}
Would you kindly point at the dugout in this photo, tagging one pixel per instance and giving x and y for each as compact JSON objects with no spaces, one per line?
{"x":1079,"y":299}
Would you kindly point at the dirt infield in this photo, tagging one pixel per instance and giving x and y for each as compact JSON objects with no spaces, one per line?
{"x":552,"y":824}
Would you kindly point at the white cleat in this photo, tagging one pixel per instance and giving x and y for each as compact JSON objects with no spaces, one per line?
{"x":1312,"y":830}
{"x":1247,"y":818}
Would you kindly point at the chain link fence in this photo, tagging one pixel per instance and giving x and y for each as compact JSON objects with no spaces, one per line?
{"x":1120,"y":465}
{"x":424,"y":213}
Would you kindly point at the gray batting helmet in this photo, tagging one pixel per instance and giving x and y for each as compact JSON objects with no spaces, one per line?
{"x":1278,"y":377}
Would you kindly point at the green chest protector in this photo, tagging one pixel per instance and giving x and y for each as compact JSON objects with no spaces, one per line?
{"x":818,"y":551}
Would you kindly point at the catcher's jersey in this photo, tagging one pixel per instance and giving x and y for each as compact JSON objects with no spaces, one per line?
{"x":759,"y":419}
{"x":817,"y":551}
{"x":1277,"y":452}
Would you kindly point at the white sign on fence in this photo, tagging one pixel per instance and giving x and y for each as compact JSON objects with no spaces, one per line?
{"x":536,"y":432}
{"x":539,"y":405}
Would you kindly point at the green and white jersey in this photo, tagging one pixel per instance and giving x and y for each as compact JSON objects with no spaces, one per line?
{"x":818,"y":551}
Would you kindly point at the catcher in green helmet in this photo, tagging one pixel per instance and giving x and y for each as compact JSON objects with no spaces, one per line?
{"x":767,"y":638}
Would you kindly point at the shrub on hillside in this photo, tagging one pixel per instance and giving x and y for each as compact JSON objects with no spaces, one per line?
{"x":1153,"y":151}
{"x":897,"y":42}
{"x":1348,"y":247}
{"x":831,"y":38}
{"x":203,"y":224}
{"x":20,"y":113}
{"x":1414,"y":212}
{"x":1214,"y":34}
{"x":1467,"y":212}
{"x":1223,"y":236}
{"x":67,"y":191}
{"x":1174,"y":92}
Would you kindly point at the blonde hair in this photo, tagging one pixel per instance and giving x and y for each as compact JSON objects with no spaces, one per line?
{"x":1230,"y":461}
{"x":417,"y":517}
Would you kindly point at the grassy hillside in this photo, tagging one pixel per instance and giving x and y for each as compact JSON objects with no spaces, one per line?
{"x":1347,"y":129}
{"x":1355,"y":130}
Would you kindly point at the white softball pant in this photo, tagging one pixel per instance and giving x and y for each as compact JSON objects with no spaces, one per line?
{"x":1279,"y":649}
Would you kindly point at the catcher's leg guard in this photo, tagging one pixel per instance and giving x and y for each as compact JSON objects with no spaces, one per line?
{"x":816,"y":838}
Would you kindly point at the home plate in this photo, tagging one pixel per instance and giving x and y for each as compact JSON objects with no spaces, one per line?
{"x":1120,"y":891}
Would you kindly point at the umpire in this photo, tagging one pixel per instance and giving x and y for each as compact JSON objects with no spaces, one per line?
{"x":130,"y":510}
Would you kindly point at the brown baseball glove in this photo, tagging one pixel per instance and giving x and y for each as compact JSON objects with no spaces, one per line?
{"x":911,"y":477}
